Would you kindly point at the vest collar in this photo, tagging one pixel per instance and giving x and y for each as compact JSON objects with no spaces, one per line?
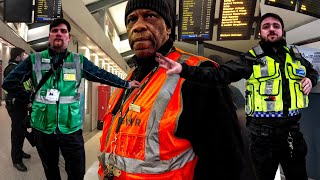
{"x":53,"y":53}
{"x":13,"y":61}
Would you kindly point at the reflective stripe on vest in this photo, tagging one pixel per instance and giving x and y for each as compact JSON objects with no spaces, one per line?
{"x":153,"y":166}
{"x":38,"y":67}
{"x":143,"y":150}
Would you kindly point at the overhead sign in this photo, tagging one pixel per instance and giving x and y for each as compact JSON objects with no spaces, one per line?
{"x":286,"y":4}
{"x":236,"y":17}
{"x":310,"y":7}
{"x":17,"y":11}
{"x":47,"y":10}
{"x":196,"y":19}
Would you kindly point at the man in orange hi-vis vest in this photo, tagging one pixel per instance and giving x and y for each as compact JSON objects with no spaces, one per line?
{"x":169,"y":128}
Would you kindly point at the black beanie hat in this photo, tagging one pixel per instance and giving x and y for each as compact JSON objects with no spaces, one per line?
{"x":15,"y":52}
{"x":160,"y":6}
{"x":276,"y":16}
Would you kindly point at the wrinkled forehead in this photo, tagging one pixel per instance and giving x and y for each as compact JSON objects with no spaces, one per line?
{"x":141,"y":11}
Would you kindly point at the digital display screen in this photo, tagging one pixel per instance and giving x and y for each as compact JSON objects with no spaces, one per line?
{"x":310,"y":7}
{"x":286,"y":4}
{"x":196,"y":19}
{"x":47,"y":10}
{"x":236,"y":17}
{"x":17,"y":11}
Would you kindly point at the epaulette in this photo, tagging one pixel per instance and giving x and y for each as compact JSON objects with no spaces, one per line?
{"x":295,"y":52}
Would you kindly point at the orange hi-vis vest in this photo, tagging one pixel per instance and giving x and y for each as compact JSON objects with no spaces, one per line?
{"x":145,"y":146}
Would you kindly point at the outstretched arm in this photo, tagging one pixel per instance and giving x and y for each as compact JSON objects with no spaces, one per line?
{"x":231,"y":71}
{"x":94,"y":73}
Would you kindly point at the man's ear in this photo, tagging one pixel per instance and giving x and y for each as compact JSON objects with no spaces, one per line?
{"x":168,"y":30}
{"x":284,"y":34}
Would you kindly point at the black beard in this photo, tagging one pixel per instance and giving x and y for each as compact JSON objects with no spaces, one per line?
{"x":276,"y":44}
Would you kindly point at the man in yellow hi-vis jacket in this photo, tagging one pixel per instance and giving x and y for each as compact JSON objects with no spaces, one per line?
{"x":279,"y":80}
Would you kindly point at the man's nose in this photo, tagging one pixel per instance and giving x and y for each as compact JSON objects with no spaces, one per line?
{"x":272,"y":28}
{"x":59,"y":32}
{"x":140,"y":25}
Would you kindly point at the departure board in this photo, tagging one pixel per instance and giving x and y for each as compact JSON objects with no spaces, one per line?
{"x":286,"y":4}
{"x":196,"y":19}
{"x":236,"y":18}
{"x":47,"y":10}
{"x":310,"y":7}
{"x":17,"y":11}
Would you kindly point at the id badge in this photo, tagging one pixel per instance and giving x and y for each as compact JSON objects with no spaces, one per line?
{"x":52,"y":95}
{"x":135,"y":108}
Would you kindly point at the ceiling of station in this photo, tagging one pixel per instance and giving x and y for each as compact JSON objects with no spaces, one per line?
{"x":115,"y":10}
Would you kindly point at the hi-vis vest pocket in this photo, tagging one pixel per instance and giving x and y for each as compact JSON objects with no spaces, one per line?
{"x":299,"y":98}
{"x":249,"y":93}
{"x":39,"y":116}
{"x":296,"y":72}
{"x":74,"y":115}
{"x":265,"y":72}
{"x":270,"y":87}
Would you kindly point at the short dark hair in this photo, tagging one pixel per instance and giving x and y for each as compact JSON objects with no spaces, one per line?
{"x":59,"y":21}
{"x":15,"y":52}
{"x":276,"y":16}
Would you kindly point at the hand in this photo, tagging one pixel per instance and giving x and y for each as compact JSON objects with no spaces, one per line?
{"x":171,"y":66}
{"x":134,"y":84}
{"x":306,"y":85}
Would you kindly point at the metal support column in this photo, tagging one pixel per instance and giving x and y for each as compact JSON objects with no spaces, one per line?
{"x":200,"y":48}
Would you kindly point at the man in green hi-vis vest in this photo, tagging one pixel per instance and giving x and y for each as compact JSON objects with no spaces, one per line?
{"x":17,"y":111}
{"x":279,"y":80}
{"x":55,"y":116}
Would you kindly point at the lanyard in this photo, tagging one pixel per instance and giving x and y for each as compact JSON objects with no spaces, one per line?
{"x":121,"y":117}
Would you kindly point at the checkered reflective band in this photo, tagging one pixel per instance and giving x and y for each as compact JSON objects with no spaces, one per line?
{"x":274,"y":113}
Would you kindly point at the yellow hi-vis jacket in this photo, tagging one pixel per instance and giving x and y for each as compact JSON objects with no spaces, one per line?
{"x":264,"y":87}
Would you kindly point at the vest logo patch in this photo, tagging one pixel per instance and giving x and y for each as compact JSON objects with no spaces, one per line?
{"x":69,"y":74}
{"x":69,"y":77}
{"x":129,"y":121}
{"x":300,"y":72}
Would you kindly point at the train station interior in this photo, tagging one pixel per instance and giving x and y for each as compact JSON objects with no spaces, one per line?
{"x":99,"y":33}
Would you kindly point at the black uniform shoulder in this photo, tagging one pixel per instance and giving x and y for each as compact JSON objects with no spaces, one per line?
{"x":9,"y":68}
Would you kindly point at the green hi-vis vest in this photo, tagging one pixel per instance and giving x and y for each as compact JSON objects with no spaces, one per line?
{"x":65,"y":114}
{"x":264,"y":87}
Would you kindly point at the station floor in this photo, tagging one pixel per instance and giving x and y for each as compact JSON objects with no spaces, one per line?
{"x":35,"y":169}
